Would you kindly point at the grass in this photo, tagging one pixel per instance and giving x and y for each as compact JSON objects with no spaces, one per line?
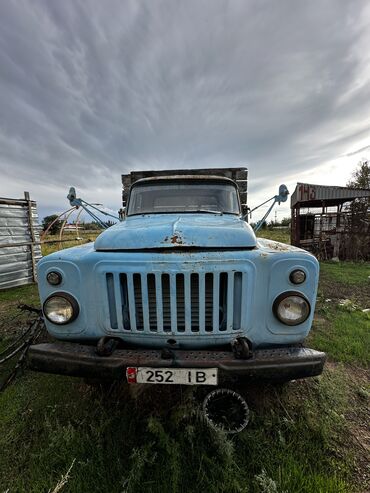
{"x":341,"y":327}
{"x":345,"y":336}
{"x":306,"y":437}
{"x":47,"y":248}
{"x":348,"y":273}
{"x":17,"y":295}
{"x":157,"y":441}
{"x":282,"y":235}
{"x":12,"y":320}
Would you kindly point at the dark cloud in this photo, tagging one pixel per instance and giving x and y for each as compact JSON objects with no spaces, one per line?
{"x":90,"y":89}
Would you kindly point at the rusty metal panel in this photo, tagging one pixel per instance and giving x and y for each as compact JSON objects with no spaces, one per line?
{"x":19,"y":242}
{"x":309,"y":195}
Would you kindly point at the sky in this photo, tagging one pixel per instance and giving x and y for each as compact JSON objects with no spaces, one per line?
{"x":90,"y":90}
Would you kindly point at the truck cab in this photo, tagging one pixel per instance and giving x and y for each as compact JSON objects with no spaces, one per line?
{"x":181,"y":285}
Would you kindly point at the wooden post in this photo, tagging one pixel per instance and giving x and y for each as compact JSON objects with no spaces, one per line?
{"x":32,"y":231}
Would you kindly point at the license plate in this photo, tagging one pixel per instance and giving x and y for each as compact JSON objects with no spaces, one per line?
{"x":174,"y":376}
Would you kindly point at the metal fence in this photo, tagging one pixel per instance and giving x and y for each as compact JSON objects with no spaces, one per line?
{"x":20,"y":247}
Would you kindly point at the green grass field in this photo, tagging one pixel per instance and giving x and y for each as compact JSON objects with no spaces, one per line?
{"x":54,"y":243}
{"x":309,"y":436}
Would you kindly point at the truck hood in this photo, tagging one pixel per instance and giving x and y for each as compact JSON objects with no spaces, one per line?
{"x":174,"y":231}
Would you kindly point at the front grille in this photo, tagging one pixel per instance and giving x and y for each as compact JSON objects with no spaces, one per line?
{"x":182,"y":302}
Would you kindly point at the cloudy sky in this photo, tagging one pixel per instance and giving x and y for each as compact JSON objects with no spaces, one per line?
{"x":93,"y":89}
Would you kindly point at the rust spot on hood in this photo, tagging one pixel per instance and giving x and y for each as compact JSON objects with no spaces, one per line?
{"x":176,"y":240}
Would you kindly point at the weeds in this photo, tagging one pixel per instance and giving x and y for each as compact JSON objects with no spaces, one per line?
{"x":156,"y":440}
{"x":282,"y":235}
{"x":120,"y":445}
{"x":345,"y":336}
{"x":63,"y":480}
{"x":266,"y":484}
{"x":48,"y":248}
{"x":348,"y":273}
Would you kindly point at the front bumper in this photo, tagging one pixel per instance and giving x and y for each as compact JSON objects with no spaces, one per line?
{"x":81,"y":360}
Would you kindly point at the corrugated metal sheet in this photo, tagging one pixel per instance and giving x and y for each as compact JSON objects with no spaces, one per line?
{"x":17,"y":242}
{"x":313,"y":195}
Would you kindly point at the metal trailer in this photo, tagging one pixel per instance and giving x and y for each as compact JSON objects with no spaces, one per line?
{"x":20,"y":247}
{"x":331,"y":221}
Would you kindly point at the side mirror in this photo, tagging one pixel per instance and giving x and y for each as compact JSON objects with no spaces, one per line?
{"x":72,"y":196}
{"x":283,"y":194}
{"x":282,"y":197}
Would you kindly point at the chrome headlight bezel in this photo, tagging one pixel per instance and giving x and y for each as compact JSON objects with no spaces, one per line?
{"x":70,"y":300}
{"x":291,"y":294}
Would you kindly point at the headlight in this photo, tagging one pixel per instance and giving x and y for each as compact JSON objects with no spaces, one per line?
{"x":297,"y":276}
{"x":54,"y":278}
{"x":291,"y":308}
{"x":61,"y":308}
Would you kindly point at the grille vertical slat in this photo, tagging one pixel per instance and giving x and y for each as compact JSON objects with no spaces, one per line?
{"x":194,"y":300}
{"x":112,"y":306}
{"x":131,"y":301}
{"x":187,"y":301}
{"x":159,"y":301}
{"x":173,"y":302}
{"x":243,"y":297}
{"x":216,"y":297}
{"x":237,"y":300}
{"x":202,"y":302}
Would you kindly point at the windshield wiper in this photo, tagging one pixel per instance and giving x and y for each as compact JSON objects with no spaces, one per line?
{"x":209,"y":211}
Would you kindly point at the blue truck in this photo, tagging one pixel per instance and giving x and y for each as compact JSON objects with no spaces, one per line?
{"x":181,"y":291}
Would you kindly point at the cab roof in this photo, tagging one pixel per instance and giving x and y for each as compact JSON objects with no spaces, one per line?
{"x":184,"y":177}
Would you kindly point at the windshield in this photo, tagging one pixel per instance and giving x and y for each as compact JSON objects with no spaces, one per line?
{"x":150,"y":198}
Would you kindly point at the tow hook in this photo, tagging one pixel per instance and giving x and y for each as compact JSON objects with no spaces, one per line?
{"x":241,"y":348}
{"x":106,"y":346}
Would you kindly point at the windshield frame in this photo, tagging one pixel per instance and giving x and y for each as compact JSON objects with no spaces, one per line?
{"x":161,"y":180}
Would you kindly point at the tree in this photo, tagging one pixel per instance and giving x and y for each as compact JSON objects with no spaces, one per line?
{"x":361,"y":176}
{"x":285,"y":221}
{"x":55,"y":228}
{"x":93,"y":225}
{"x":360,"y":179}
